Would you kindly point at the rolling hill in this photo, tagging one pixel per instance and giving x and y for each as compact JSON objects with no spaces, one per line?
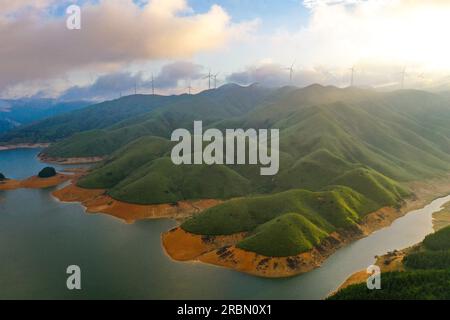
{"x":343,"y":154}
{"x":20,"y":112}
{"x":96,"y":116}
{"x":179,"y":111}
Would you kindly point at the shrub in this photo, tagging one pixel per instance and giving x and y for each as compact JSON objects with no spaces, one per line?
{"x":439,"y":240}
{"x":47,"y":172}
{"x":428,"y":260}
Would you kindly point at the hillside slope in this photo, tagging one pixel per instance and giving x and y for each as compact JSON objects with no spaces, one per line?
{"x":343,"y":154}
{"x":16,"y":113}
{"x":177,"y":111}
{"x":93,"y":117}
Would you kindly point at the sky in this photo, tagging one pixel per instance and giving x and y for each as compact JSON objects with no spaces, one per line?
{"x":124,"y":44}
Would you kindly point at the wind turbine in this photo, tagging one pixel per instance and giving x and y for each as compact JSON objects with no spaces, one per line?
{"x":189,"y":87}
{"x":403,"y":74}
{"x":291,"y":72}
{"x":215,"y":79}
{"x":209,"y":76}
{"x":153,"y":85}
{"x":352,"y":79}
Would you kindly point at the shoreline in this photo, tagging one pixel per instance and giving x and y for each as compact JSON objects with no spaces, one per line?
{"x":98,"y":201}
{"x":393,"y":261}
{"x":34,"y":182}
{"x":67,"y":161}
{"x":221,"y":251}
{"x":180,"y":245}
{"x":389,"y":262}
{"x":24,"y":146}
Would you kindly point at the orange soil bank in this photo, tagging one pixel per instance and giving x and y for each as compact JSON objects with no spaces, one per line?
{"x":34,"y":182}
{"x":85,"y":160}
{"x":97,"y":201}
{"x":221,"y":250}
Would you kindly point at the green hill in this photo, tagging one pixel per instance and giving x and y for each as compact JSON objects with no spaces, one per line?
{"x":427,"y":274}
{"x":125,"y":161}
{"x":287,"y":235}
{"x":343,"y":153}
{"x":338,"y":207}
{"x":96,"y":116}
{"x":439,"y":240}
{"x":375,"y":186}
{"x":21,"y":112}
{"x":163,"y":182}
{"x":174,"y":112}
{"x":416,"y":285}
{"x":286,"y":223}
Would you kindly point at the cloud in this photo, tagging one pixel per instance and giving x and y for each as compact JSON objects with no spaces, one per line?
{"x":123,"y":83}
{"x":316,"y":3}
{"x":173,"y":73}
{"x":365,"y":75}
{"x":114,"y":33}
{"x":16,"y":6}
{"x":400,"y":33}
{"x":276,"y":75}
{"x":105,"y":86}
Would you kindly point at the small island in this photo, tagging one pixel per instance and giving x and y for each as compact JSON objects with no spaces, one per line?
{"x":46,"y":178}
{"x":47,"y":172}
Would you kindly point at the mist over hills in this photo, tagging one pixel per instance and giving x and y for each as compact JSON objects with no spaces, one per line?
{"x":19,"y":112}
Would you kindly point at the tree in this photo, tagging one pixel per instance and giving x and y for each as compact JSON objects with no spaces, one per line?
{"x":47,"y":172}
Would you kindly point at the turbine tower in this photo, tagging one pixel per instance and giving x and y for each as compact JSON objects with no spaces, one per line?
{"x":291,"y":72}
{"x":153,"y":85}
{"x":352,"y":78}
{"x":209,"y":76}
{"x":215,"y":79}
{"x":189,"y":87}
{"x":403,"y":74}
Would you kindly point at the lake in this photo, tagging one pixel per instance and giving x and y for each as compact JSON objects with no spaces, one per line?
{"x":40,"y":237}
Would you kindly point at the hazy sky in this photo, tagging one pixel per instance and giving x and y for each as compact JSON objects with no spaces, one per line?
{"x":122,"y":42}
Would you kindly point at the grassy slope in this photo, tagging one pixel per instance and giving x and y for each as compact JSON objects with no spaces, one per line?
{"x":287,"y":235}
{"x":375,"y":186}
{"x":416,"y":285}
{"x":96,"y":116}
{"x":21,"y":112}
{"x":125,"y":161}
{"x":163,"y":182}
{"x":301,"y":215}
{"x":351,"y":149}
{"x":176,"y":112}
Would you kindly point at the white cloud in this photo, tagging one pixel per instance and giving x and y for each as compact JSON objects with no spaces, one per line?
{"x":15,"y":6}
{"x":316,"y":3}
{"x":114,"y":33}
{"x":373,"y":35}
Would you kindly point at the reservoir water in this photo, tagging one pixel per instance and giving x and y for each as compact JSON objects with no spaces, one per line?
{"x":40,"y":237}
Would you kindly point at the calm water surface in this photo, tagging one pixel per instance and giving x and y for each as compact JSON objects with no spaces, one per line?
{"x":40,"y":237}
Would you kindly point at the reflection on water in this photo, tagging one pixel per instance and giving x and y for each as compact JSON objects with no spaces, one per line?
{"x":40,"y":237}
